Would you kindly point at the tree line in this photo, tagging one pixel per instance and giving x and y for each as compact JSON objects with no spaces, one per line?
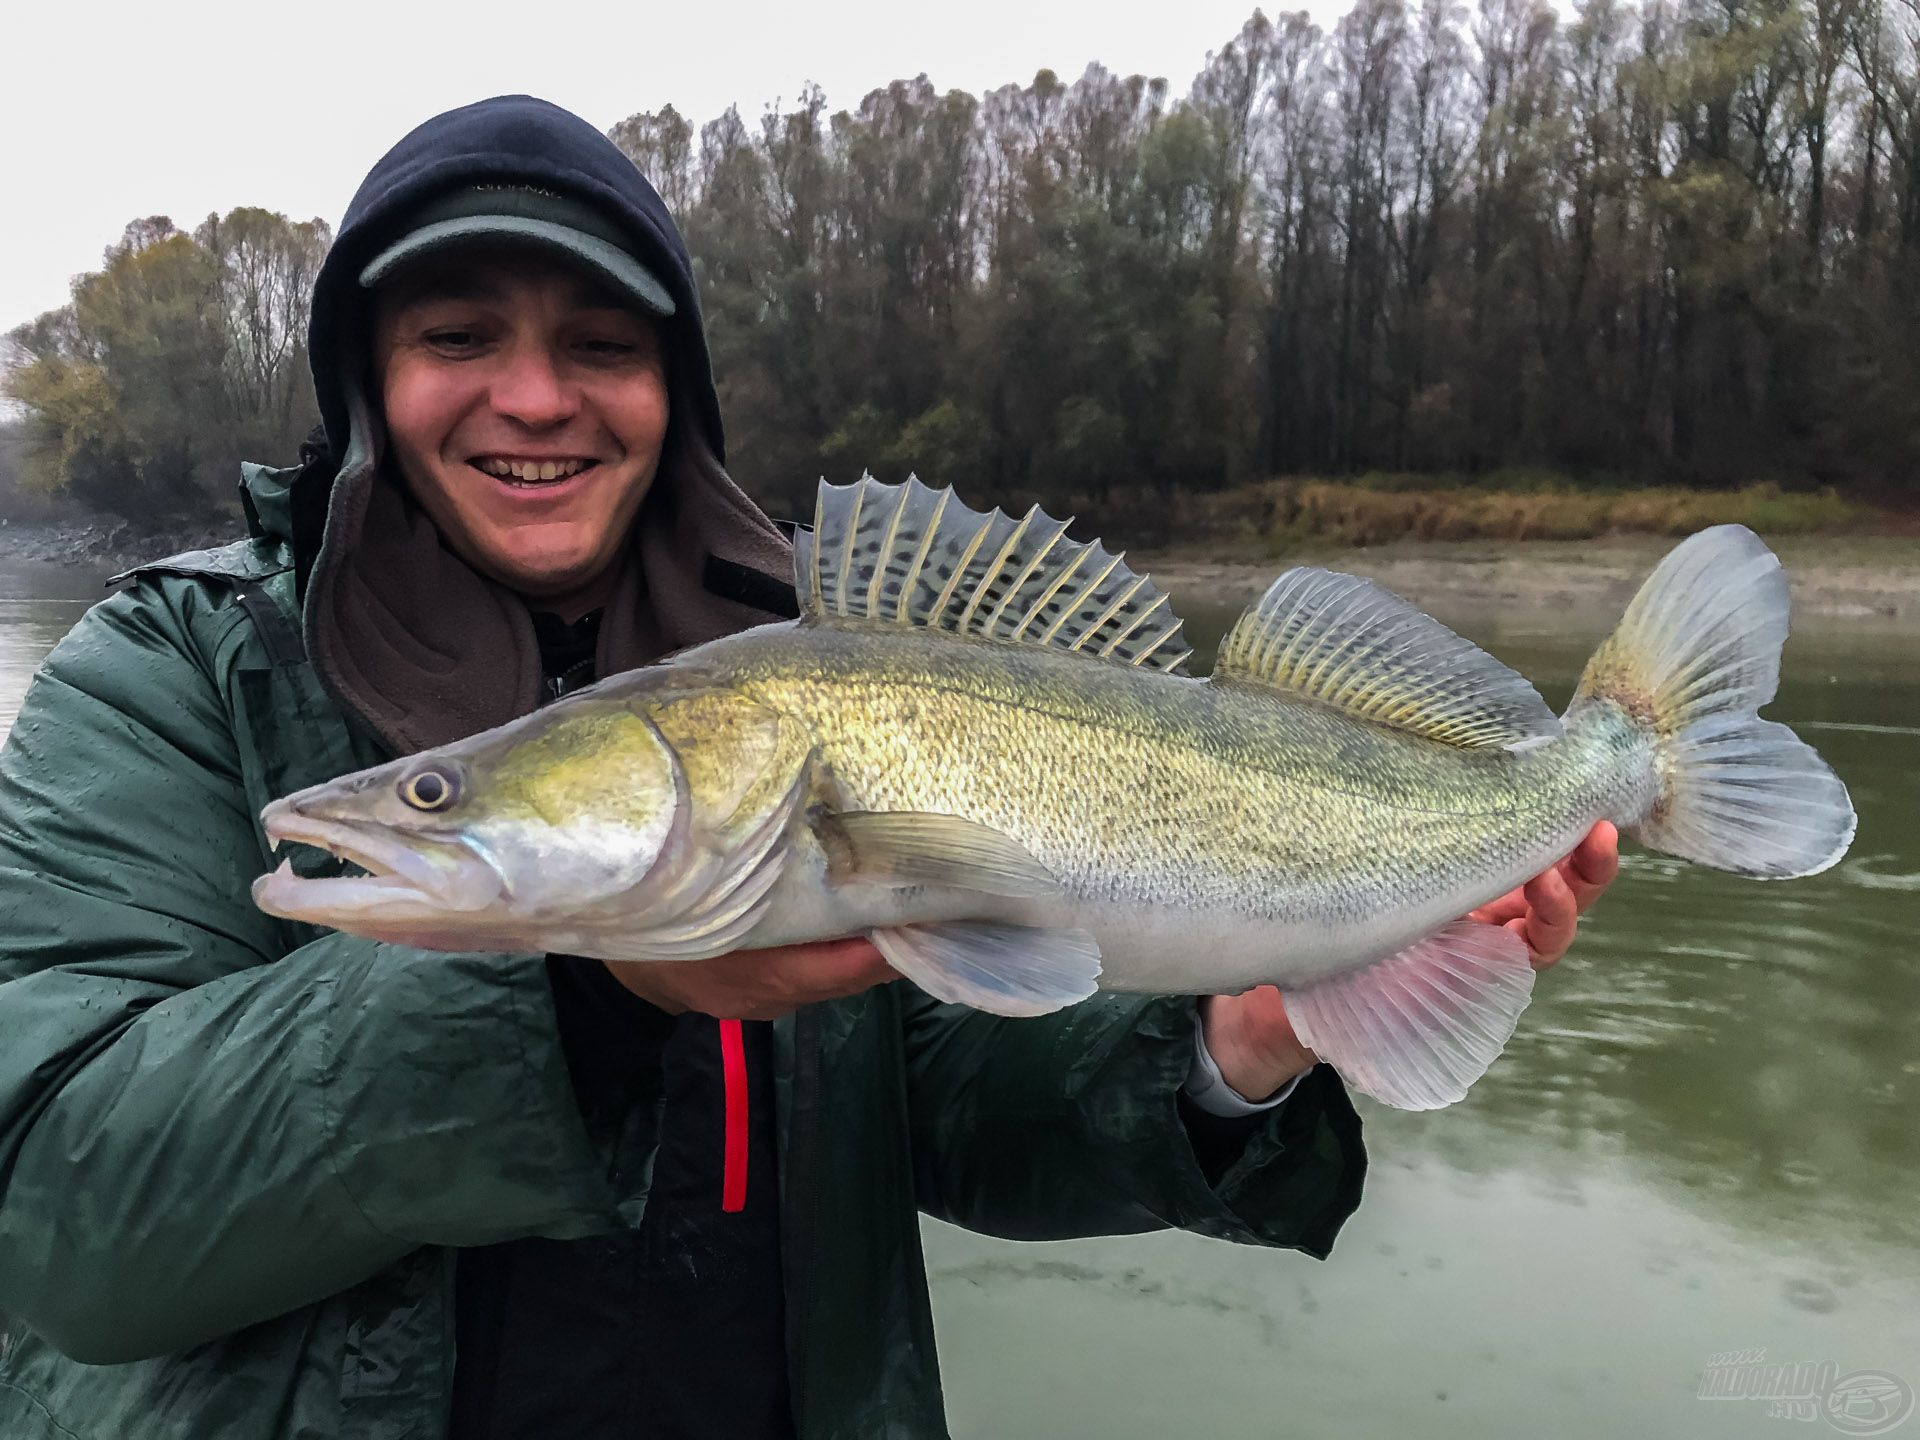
{"x":183,"y":354}
{"x":1673,"y":241}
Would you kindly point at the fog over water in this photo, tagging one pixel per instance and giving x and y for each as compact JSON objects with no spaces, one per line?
{"x":1701,"y":1140}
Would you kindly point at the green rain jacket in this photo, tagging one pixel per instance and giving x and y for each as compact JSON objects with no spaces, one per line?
{"x":236,"y":1155}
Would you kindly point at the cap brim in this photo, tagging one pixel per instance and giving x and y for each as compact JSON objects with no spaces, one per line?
{"x":606,"y":260}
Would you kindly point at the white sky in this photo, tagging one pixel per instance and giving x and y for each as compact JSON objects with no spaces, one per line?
{"x":114,"y":110}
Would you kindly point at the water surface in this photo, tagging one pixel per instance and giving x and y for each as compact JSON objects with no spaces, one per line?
{"x":1702,"y":1139}
{"x":39,"y":601}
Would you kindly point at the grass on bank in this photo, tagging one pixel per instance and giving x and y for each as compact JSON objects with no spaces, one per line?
{"x":1283,"y":514}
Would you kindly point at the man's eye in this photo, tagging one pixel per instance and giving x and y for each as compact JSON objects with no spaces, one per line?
{"x":456,"y":342}
{"x":609,"y":349}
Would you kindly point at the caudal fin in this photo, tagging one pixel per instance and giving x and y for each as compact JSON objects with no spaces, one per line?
{"x":1691,"y":663}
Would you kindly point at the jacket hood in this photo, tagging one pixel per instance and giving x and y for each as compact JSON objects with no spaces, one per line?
{"x":511,"y":139}
{"x":405,"y":634}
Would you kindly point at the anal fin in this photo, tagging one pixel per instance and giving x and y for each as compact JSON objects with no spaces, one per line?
{"x":1002,"y":969}
{"x":1417,"y":1029}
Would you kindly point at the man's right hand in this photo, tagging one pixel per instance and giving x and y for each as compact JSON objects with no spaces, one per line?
{"x":757,"y":984}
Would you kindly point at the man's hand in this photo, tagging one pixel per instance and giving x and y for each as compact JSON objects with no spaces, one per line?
{"x":1252,"y":1040}
{"x":1546,"y":910}
{"x":757,"y":984}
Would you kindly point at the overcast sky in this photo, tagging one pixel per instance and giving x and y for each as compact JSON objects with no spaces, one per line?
{"x":112,"y":110}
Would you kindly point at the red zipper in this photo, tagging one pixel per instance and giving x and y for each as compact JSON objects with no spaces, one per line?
{"x":733,"y":1070}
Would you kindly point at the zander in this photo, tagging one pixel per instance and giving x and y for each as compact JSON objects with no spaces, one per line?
{"x":978,"y":745}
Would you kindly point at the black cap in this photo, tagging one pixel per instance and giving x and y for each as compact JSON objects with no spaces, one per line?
{"x":524,"y":214}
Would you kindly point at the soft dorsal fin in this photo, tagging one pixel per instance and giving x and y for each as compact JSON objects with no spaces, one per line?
{"x":1348,"y":643}
{"x":910,"y":555}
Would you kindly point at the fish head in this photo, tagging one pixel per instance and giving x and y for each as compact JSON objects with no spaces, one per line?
{"x":491,"y":842}
{"x":593,"y":818}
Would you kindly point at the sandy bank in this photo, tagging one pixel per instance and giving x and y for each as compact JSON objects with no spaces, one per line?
{"x":1837,"y":578}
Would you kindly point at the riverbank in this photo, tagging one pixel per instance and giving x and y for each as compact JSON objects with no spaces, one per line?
{"x":110,"y":544}
{"x":1836,"y":577}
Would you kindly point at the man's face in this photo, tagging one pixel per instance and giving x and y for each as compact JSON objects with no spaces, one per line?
{"x":526,"y":407}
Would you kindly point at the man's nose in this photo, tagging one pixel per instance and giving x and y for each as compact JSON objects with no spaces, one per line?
{"x":530,"y":388}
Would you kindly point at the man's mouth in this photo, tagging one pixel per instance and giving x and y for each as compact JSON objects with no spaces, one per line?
{"x":531,"y":472}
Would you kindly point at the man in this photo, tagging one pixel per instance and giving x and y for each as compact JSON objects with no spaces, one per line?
{"x":265,"y":1181}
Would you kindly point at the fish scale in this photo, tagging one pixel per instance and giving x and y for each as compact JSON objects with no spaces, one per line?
{"x":1226,"y":811}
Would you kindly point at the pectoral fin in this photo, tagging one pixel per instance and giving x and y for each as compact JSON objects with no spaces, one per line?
{"x":1417,"y":1029}
{"x":916,"y":848}
{"x":1002,"y":969}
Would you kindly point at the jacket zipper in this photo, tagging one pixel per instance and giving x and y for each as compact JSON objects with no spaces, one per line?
{"x":733,"y":1071}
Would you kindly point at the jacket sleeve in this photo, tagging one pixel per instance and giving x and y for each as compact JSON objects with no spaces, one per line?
{"x":1069,"y":1125}
{"x":197,"y":1130}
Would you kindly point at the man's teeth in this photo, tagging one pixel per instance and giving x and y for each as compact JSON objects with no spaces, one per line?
{"x":527,"y":470}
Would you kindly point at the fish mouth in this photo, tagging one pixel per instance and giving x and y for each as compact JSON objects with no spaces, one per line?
{"x":408,"y":876}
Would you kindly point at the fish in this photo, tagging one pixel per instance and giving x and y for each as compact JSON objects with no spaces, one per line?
{"x":979,"y":745}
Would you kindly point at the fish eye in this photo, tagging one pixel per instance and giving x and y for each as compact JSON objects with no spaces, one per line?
{"x":430,"y":788}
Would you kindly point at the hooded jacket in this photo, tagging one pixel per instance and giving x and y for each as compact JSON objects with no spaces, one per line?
{"x":238,"y":1155}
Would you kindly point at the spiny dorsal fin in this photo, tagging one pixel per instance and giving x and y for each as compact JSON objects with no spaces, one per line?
{"x":1348,"y":643}
{"x":909,"y":555}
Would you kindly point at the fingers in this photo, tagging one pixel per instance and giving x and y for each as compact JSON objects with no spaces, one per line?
{"x":650,"y":981}
{"x":874,"y":970}
{"x":1552,"y":918}
{"x":852,"y":951}
{"x":854,"y":962}
{"x":759,"y":984}
{"x":1511,"y":906}
{"x":1546,"y":911}
{"x":822,"y":969}
{"x":1592,"y":866}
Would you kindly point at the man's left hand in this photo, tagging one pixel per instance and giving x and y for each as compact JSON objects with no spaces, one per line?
{"x":1546,"y":910}
{"x":1252,"y":1040}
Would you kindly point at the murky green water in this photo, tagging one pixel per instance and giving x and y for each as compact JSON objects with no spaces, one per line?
{"x":38,"y":604}
{"x":1702,"y":1140}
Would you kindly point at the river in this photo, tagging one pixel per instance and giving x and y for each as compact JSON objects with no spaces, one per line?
{"x":1701,"y":1141}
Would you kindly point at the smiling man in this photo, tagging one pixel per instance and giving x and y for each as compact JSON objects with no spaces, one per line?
{"x":262,"y":1181}
{"x":545,"y":380}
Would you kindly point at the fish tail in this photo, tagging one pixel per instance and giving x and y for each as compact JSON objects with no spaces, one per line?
{"x":1681,"y":681}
